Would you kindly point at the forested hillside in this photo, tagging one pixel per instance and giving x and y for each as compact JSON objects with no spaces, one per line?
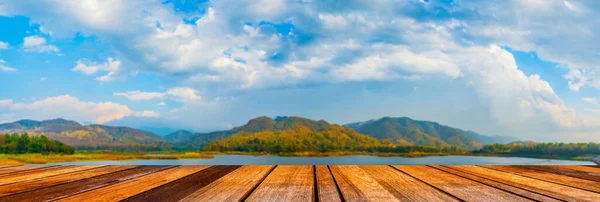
{"x":21,"y":144}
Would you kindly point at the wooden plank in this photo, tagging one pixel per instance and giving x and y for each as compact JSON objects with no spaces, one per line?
{"x":235,"y":186}
{"x":59,"y":179}
{"x":505,"y":187}
{"x":404,"y":187}
{"x":459,"y":187}
{"x":588,"y":169}
{"x":21,"y":169}
{"x":68,"y":189}
{"x":45,"y":173}
{"x":286,"y":183}
{"x":327,"y":190}
{"x":182,"y":187}
{"x":542,"y":187}
{"x":550,"y":177}
{"x":6,"y":166}
{"x":565,"y":171}
{"x":123,"y":190}
{"x":357,"y":185}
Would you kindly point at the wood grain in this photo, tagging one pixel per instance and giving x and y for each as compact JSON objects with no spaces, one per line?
{"x":559,"y":179}
{"x":542,"y":187}
{"x":182,"y":187}
{"x":21,"y":169}
{"x":505,"y":187}
{"x":404,"y":187}
{"x":123,"y":190}
{"x":565,"y":171}
{"x":589,"y":169}
{"x":327,"y":190}
{"x":232,"y":187}
{"x":462,"y":188}
{"x":68,"y":189}
{"x":59,"y":179}
{"x":357,"y":185}
{"x":43,"y":173}
{"x":286,"y":183}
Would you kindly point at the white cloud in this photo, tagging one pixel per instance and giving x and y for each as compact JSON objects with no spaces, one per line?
{"x":111,"y":66}
{"x":589,"y":100}
{"x":147,"y":113}
{"x":3,"y":45}
{"x":38,"y":44}
{"x":53,"y":107}
{"x":184,"y":94}
{"x":43,"y":79}
{"x":5,"y":68}
{"x":161,"y":104}
{"x":138,"y":95}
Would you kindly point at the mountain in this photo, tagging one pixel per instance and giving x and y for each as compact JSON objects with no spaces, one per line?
{"x":293,"y":134}
{"x":259,"y":124}
{"x":406,"y":131}
{"x":484,"y":139}
{"x":91,"y":136}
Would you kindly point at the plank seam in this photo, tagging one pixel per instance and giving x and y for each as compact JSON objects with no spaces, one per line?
{"x":436,"y":188}
{"x":257,"y":184}
{"x":34,"y":189}
{"x":560,"y":173}
{"x":110,"y":183}
{"x":504,"y":183}
{"x":37,"y":179}
{"x":26,"y":171}
{"x":496,"y":182}
{"x":541,"y":179}
{"x":316,"y":189}
{"x":336,"y":184}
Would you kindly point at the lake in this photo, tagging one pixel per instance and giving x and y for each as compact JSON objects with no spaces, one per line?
{"x":341,"y":160}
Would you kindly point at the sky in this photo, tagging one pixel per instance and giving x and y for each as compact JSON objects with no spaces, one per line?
{"x":523,"y":68}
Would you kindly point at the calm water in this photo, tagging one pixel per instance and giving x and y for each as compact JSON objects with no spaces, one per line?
{"x":340,"y":160}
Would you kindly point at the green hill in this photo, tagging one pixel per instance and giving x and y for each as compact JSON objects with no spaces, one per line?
{"x":293,"y":134}
{"x":406,"y":131}
{"x":89,"y":137}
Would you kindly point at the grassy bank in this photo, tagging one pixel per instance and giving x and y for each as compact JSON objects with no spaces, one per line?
{"x":20,"y":159}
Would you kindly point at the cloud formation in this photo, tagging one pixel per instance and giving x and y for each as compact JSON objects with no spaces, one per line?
{"x":55,"y":107}
{"x":111,"y":67}
{"x":5,"y":68}
{"x":38,"y":44}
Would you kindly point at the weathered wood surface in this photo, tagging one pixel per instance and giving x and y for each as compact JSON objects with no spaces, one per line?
{"x":326,"y":187}
{"x":286,"y":183}
{"x":299,"y":183}
{"x":459,"y":187}
{"x":232,"y":187}
{"x":543,"y":187}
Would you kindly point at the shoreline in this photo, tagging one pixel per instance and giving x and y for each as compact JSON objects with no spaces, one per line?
{"x":23,"y":159}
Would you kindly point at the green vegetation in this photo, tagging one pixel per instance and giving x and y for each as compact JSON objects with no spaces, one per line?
{"x":545,"y":150}
{"x":20,"y":159}
{"x":21,"y":144}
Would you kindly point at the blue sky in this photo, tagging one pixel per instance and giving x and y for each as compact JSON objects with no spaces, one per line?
{"x":524,"y":68}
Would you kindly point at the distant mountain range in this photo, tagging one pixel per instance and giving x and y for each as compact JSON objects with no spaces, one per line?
{"x":406,"y":131}
{"x":400,"y":131}
{"x":90,"y":136}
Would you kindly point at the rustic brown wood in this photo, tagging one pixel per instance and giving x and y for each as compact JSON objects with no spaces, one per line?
{"x":505,"y":187}
{"x":542,"y":187}
{"x":123,"y":190}
{"x":21,"y":169}
{"x":232,"y":187}
{"x":286,"y":183}
{"x":564,"y":171}
{"x":6,"y":166}
{"x":43,"y":173}
{"x":327,"y":190}
{"x":462,"y":188}
{"x":357,"y":185}
{"x":589,"y":169}
{"x":404,"y":187}
{"x":559,"y":179}
{"x":59,"y":179}
{"x":68,"y":189}
{"x":182,"y":187}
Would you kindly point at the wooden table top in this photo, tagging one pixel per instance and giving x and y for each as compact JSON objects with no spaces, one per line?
{"x":300,"y":183}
